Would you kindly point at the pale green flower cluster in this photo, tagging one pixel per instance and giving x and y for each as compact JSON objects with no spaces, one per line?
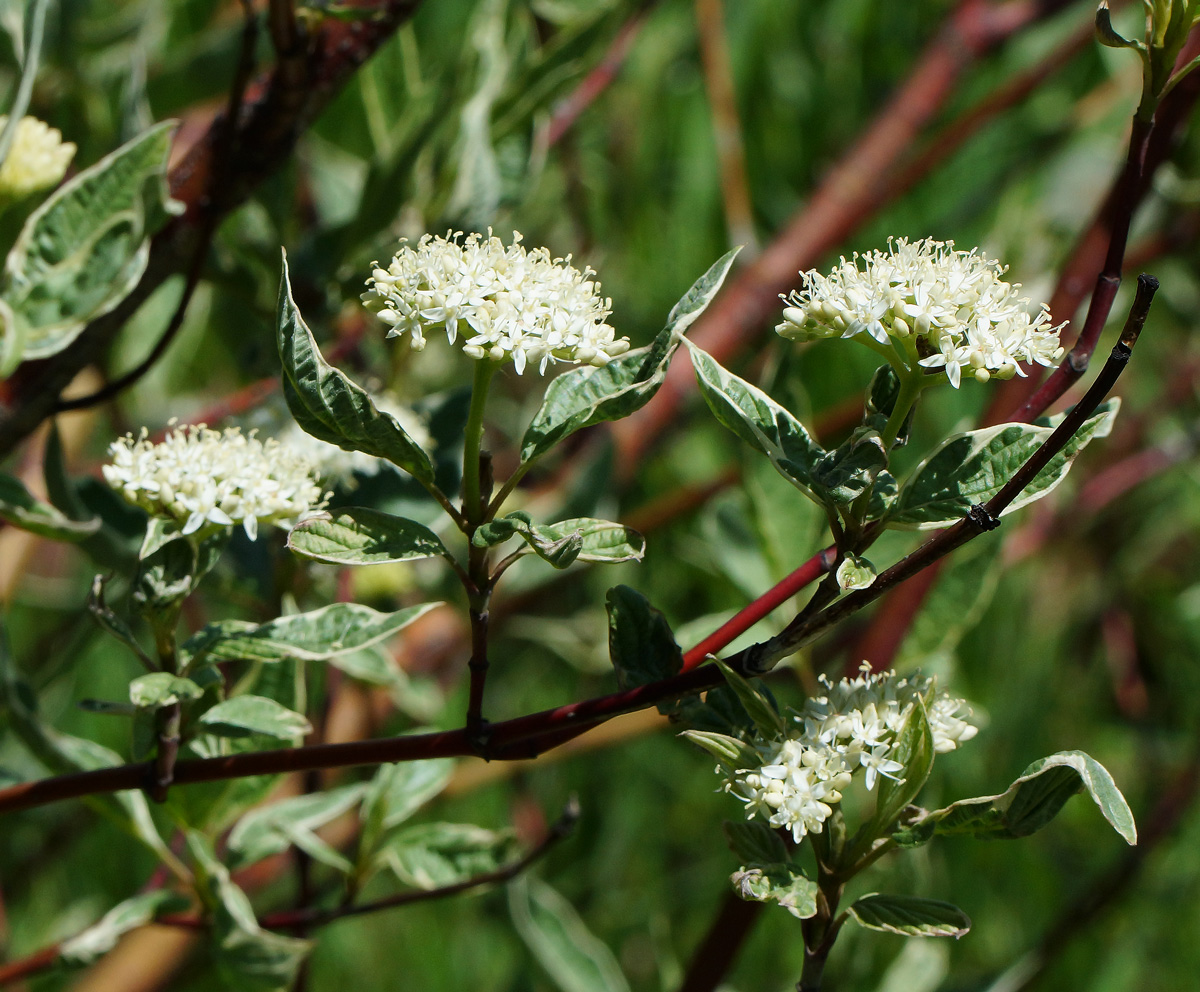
{"x":198,"y":477}
{"x":506,"y":302}
{"x":852,"y":728}
{"x":948,"y":309}
{"x":37,"y":158}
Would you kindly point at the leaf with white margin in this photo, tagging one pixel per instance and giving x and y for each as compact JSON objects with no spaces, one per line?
{"x":22,"y":509}
{"x":358,"y":535}
{"x":572,"y":955}
{"x":910,"y":916}
{"x":332,"y":408}
{"x":338,"y":628}
{"x":245,"y":716}
{"x":585,"y":396}
{"x":970,"y":468}
{"x":83,"y":250}
{"x":567,"y":541}
{"x":102,"y":936}
{"x":1031,"y":802}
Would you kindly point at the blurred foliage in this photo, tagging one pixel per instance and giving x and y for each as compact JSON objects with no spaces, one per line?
{"x":1089,"y":642}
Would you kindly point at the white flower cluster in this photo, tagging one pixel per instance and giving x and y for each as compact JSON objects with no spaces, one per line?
{"x":506,"y":302}
{"x":954,"y":305}
{"x":37,"y":158}
{"x":853,"y":726}
{"x":198,"y":477}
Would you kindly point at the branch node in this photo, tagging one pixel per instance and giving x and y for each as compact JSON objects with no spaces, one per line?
{"x":982,"y":518}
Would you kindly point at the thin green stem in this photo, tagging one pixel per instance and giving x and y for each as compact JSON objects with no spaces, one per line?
{"x":911,"y":385}
{"x":474,"y":511}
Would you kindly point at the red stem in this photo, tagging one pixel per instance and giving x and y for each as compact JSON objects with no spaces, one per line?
{"x":776,"y":596}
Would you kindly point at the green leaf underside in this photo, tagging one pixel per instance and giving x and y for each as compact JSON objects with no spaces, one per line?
{"x":1031,"y":802}
{"x":782,"y":882}
{"x":243,"y":716}
{"x":910,"y":916}
{"x":159,"y":689}
{"x":640,"y":642}
{"x":561,"y":544}
{"x":332,"y":630}
{"x":570,"y":953}
{"x":83,"y":250}
{"x":585,"y":396}
{"x":329,"y":406}
{"x":273,"y":829}
{"x":970,"y":468}
{"x":358,"y":535}
{"x":759,"y":421}
{"x":434,"y":855}
{"x":396,"y":792}
{"x":21,"y":509}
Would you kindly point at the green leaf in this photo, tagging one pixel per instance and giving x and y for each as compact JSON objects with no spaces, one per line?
{"x":243,"y":716}
{"x":434,"y":855}
{"x":248,"y":958}
{"x":101,"y":937}
{"x":569,"y":952}
{"x":720,"y":712}
{"x":844,"y":474}
{"x":357,"y":535}
{"x":272,"y":829}
{"x":159,"y":689}
{"x":329,"y":406}
{"x":754,"y":842}
{"x":568,"y":541}
{"x":731,"y":753}
{"x":781,"y":882}
{"x":21,"y":509}
{"x":759,"y":421}
{"x":758,"y":706}
{"x":337,"y":629}
{"x":971,"y":468}
{"x":396,"y":792}
{"x":585,"y":396}
{"x":640,"y":642}
{"x":1031,"y":802}
{"x":85,"y":248}
{"x":910,"y":916}
{"x":914,"y":750}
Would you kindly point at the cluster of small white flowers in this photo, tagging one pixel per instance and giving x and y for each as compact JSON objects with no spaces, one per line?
{"x":955,"y":306}
{"x":506,"y":302}
{"x":198,"y":477}
{"x":37,"y":158}
{"x":336,"y":466}
{"x":854,"y":726}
